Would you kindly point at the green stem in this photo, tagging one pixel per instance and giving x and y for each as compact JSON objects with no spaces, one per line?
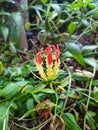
{"x":69,"y":86}
{"x":34,"y":73}
{"x":55,"y":111}
{"x":89,"y":95}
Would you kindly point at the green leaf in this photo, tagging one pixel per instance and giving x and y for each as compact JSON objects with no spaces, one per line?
{"x":12,"y":47}
{"x":47,"y":90}
{"x":96,"y":96}
{"x":4,"y":13}
{"x":30,"y":106}
{"x":91,"y":12}
{"x":95,"y":82}
{"x":88,"y":49}
{"x":12,"y":89}
{"x":44,"y":1}
{"x":30,"y":103}
{"x":1,"y":68}
{"x":4,"y":115}
{"x":16,"y":27}
{"x":27,"y":25}
{"x":39,"y":87}
{"x":71,"y":28}
{"x":70,"y":122}
{"x":90,"y":61}
{"x":90,"y":120}
{"x":5,"y":32}
{"x":56,"y":7}
{"x":16,"y":17}
{"x":76,"y":52}
{"x":85,"y":22}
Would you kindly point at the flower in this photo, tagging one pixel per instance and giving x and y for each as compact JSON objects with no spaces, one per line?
{"x":52,"y":62}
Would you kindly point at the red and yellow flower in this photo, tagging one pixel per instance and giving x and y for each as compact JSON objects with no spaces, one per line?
{"x":52,"y":62}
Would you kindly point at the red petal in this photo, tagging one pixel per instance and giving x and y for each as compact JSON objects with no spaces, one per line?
{"x":48,"y":49}
{"x":39,"y":57}
{"x":49,"y":58}
{"x":57,"y":52}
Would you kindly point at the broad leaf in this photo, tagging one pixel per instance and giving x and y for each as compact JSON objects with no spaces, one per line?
{"x":12,"y":89}
{"x":76,"y":52}
{"x":90,"y":61}
{"x":88,"y":49}
{"x":70,"y":122}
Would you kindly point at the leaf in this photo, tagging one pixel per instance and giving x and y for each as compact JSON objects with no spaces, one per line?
{"x":12,"y":89}
{"x":96,"y":96}
{"x":76,"y":52}
{"x":27,"y":25}
{"x":90,"y":120}
{"x":91,"y":12}
{"x":4,"y":115}
{"x":95,"y":82}
{"x":1,"y":68}
{"x":71,"y":28}
{"x":56,"y":7}
{"x":70,"y":122}
{"x":90,"y":61}
{"x":16,"y":27}
{"x":39,"y":87}
{"x":30,"y":106}
{"x":44,"y":1}
{"x":88,"y":49}
{"x":16,"y":17}
{"x":84,"y":73}
{"x":30,"y":103}
{"x":85,"y":22}
{"x":4,"y":13}
{"x":12,"y":47}
{"x":5,"y":32}
{"x":47,"y":90}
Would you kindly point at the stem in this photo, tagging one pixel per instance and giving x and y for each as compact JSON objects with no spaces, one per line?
{"x":34,"y":73}
{"x":69,"y":86}
{"x":89,"y":95}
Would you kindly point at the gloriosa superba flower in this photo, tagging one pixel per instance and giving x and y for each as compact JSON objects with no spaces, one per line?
{"x":52,"y":62}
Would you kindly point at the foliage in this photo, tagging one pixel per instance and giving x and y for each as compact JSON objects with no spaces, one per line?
{"x":57,"y":88}
{"x":10,"y":22}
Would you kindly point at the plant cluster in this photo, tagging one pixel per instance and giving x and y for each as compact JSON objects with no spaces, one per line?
{"x":57,"y":88}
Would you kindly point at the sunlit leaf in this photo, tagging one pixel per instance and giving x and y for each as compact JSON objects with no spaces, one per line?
{"x":44,"y":1}
{"x":71,"y":28}
{"x":27,"y":25}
